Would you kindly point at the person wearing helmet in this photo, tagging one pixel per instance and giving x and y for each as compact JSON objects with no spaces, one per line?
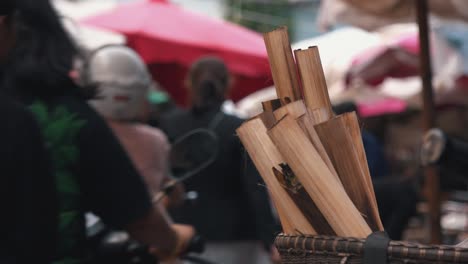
{"x":91,"y":168}
{"x":124,"y":84}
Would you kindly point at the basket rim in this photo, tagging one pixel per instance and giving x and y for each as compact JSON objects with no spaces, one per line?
{"x":348,"y":246}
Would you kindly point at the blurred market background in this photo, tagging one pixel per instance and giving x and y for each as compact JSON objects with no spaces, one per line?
{"x":369,"y":58}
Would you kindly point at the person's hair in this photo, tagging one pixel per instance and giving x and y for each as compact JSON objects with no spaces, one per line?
{"x":209,"y":81}
{"x":43,"y":54}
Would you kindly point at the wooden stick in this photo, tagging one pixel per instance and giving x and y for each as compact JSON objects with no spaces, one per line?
{"x":295,"y":109}
{"x":327,"y":193}
{"x":352,"y":123}
{"x":432,"y":181}
{"x":313,"y":79}
{"x":340,"y":148}
{"x":271,"y":105}
{"x":283,"y":67}
{"x":300,"y":196}
{"x":265,"y":156}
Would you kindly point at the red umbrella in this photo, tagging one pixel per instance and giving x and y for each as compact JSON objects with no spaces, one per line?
{"x":170,"y":39}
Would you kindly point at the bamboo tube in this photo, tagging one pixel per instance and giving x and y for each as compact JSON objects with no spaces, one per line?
{"x":340,"y":148}
{"x":319,"y":115}
{"x":265,"y":156}
{"x":327,"y":193}
{"x":298,"y":111}
{"x":282,"y":64}
{"x":308,"y":126}
{"x":352,"y":123}
{"x":268,"y":119}
{"x":271,"y":105}
{"x":301,"y":198}
{"x":313,"y":79}
{"x":295,"y":109}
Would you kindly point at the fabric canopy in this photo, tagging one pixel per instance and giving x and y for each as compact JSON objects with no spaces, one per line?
{"x":170,"y":39}
{"x":371,"y":14}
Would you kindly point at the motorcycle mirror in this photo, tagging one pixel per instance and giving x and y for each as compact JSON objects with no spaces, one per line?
{"x":433,"y":146}
{"x":190,"y":154}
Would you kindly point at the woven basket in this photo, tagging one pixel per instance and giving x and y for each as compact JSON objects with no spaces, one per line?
{"x":321,"y":249}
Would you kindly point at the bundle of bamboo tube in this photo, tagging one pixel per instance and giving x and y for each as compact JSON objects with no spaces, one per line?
{"x":313,"y":162}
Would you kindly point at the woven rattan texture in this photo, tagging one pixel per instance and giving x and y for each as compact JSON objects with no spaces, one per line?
{"x":322,"y":249}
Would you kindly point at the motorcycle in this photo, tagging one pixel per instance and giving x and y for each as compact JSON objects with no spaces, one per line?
{"x":190,"y":155}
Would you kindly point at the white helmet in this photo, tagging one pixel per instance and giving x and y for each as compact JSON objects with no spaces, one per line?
{"x":122,"y":80}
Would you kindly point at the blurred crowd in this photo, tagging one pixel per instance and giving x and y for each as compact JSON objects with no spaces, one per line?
{"x":80,"y":150}
{"x":99,"y":164}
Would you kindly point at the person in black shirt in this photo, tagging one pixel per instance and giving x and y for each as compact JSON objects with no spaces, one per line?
{"x":232,"y":211}
{"x":28,"y":225}
{"x":93,"y":172}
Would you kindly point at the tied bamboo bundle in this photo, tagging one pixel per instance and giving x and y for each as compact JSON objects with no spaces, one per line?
{"x":313,"y":163}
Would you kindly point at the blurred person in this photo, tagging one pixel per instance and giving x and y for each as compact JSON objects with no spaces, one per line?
{"x":124,"y":84}
{"x":161,"y":104}
{"x":92,"y":169}
{"x":27,"y":185}
{"x":232,"y":211}
{"x":28,"y":225}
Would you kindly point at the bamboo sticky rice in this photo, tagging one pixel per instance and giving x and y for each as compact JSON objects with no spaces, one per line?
{"x":307,"y":125}
{"x":265,"y":156}
{"x":313,"y":163}
{"x":300,"y":197}
{"x":313,"y":79}
{"x":327,"y":193}
{"x":342,"y":151}
{"x":283,"y":67}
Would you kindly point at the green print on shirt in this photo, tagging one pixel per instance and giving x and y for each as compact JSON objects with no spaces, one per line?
{"x":60,"y":129}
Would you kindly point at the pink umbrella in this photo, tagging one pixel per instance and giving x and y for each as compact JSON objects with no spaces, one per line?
{"x":170,"y":39}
